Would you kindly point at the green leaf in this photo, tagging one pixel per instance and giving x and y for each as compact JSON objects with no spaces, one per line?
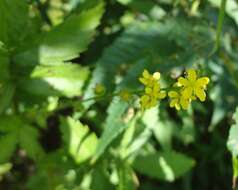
{"x":100,"y":178}
{"x":231,"y":8}
{"x":134,"y":44}
{"x":62,"y":80}
{"x":14,"y":21}
{"x":7,"y":91}
{"x":4,"y":66}
{"x":113,"y":127}
{"x":220,"y":94}
{"x":114,"y":124}
{"x":7,"y":88}
{"x":232,"y":142}
{"x":124,"y":2}
{"x":16,"y":132}
{"x":164,"y":132}
{"x":79,"y":141}
{"x":163,"y":165}
{"x":9,"y":127}
{"x":8,"y":145}
{"x":28,"y":140}
{"x":149,"y":123}
{"x":220,"y":23}
{"x":63,"y":42}
{"x":161,"y":41}
{"x":4,"y":168}
{"x":126,"y":177}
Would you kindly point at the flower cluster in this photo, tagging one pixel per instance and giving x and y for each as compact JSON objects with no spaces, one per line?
{"x":188,"y":88}
{"x":152,"y":92}
{"x":183,"y":92}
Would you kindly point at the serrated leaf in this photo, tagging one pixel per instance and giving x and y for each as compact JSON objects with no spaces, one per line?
{"x":8,"y":145}
{"x":163,"y":165}
{"x":127,"y":49}
{"x":78,"y":139}
{"x":158,"y":40}
{"x":7,"y":91}
{"x":15,"y":132}
{"x":62,"y":80}
{"x":28,"y":140}
{"x":13,"y":19}
{"x":9,"y":127}
{"x":63,"y":42}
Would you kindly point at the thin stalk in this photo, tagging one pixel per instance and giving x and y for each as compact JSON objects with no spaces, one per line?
{"x":220,"y":24}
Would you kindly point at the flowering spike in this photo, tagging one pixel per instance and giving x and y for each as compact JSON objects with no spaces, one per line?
{"x":152,"y":92}
{"x":189,"y":88}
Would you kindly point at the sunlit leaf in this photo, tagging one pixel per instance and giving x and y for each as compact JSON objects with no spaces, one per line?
{"x":164,"y":165}
{"x":63,"y":42}
{"x":79,"y":141}
{"x":232,"y":142}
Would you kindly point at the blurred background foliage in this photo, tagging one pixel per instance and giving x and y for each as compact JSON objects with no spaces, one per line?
{"x":53,"y":53}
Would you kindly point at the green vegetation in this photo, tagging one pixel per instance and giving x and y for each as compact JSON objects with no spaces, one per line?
{"x":118,"y":94}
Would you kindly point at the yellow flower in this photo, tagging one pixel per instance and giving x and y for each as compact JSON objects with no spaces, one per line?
{"x":125,"y":95}
{"x":148,"y":80}
{"x":99,"y":90}
{"x":192,"y":86}
{"x":152,"y":91}
{"x":178,"y":101}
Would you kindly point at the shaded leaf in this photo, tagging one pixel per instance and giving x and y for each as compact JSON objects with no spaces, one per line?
{"x":163,"y":165}
{"x":9,"y":127}
{"x":28,"y":140}
{"x":14,"y":21}
{"x":126,"y":177}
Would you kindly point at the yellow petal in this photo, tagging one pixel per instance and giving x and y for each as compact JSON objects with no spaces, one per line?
{"x":191,"y":75}
{"x":173,"y":94}
{"x":203,"y":81}
{"x":177,"y":106}
{"x":182,"y":81}
{"x":146,"y":74}
{"x":153,"y":102}
{"x":144,"y":99}
{"x":200,"y":93}
{"x":143,"y":81}
{"x":156,"y":75}
{"x":177,"y":84}
{"x":184,"y":103}
{"x":173,"y":102}
{"x":148,"y":90}
{"x":162,"y":95}
{"x":156,"y":87}
{"x":187,"y":92}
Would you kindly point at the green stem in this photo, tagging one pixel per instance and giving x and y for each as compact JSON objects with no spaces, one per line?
{"x":110,"y":95}
{"x":137,"y":92}
{"x":220,"y":24}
